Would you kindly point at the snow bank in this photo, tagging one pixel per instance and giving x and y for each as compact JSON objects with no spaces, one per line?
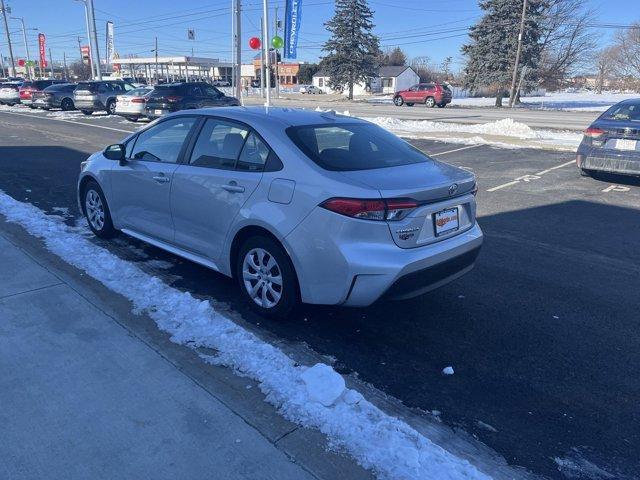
{"x":311,"y":397}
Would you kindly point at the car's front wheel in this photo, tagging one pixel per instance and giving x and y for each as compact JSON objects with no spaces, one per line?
{"x":267,"y":277}
{"x":430,"y":102}
{"x":67,"y":105}
{"x":398,"y":101}
{"x":97,"y":211}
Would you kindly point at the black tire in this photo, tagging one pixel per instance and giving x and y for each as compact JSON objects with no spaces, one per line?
{"x":398,"y":101}
{"x":410,"y":104}
{"x":67,"y":104}
{"x":290,"y":296}
{"x":132,"y":119}
{"x":111,"y":107}
{"x":430,"y":102}
{"x":442,"y":105}
{"x":107,"y":230}
{"x":586,"y":173}
{"x":87,"y":112}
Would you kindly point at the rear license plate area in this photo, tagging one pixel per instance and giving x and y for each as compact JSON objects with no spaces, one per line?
{"x":446,"y":221}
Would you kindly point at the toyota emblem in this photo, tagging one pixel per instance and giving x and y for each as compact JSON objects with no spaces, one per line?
{"x":453,"y":189}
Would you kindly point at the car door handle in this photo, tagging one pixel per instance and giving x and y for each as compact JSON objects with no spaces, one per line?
{"x":233,"y":187}
{"x":161,"y":179}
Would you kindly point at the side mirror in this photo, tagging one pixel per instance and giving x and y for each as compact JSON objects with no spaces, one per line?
{"x":115,"y":152}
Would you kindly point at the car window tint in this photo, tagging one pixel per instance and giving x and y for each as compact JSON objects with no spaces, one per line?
{"x":353,"y":147}
{"x":624,"y":111}
{"x":254,"y":154}
{"x":218,"y":145}
{"x":193,"y":91}
{"x":211,"y":92}
{"x":163,"y":142}
{"x":128,"y":88}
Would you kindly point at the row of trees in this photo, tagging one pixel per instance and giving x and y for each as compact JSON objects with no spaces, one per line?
{"x":618,"y":65}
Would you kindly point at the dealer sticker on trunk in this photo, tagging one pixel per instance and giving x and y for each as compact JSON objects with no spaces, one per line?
{"x":446,"y":221}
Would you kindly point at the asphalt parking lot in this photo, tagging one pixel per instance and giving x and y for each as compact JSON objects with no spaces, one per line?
{"x":543,"y":334}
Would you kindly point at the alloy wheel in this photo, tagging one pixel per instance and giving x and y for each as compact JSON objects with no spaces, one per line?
{"x":95,"y":209}
{"x":262,"y":277}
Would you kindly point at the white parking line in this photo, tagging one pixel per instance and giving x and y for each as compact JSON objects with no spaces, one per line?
{"x":616,"y":188}
{"x":69,"y":121}
{"x":454,"y":150}
{"x":529,"y":178}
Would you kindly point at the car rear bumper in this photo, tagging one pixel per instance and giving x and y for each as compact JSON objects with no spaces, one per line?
{"x":613,"y":163}
{"x":340,"y":260}
{"x":10,"y":99}
{"x":91,"y":105}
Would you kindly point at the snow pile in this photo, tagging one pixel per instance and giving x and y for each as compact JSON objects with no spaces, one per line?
{"x":506,"y":127}
{"x":447,"y":371}
{"x":311,"y":397}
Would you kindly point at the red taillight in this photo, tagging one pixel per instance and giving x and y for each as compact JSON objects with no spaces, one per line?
{"x":593,"y":132}
{"x":138,"y":100}
{"x":173,"y":99}
{"x":393,"y":209}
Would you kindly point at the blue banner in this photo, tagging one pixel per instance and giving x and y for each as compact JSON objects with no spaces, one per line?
{"x":293,"y":15}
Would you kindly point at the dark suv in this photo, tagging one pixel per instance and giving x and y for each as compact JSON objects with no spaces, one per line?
{"x":431,"y":94}
{"x":183,"y":96}
{"x":55,"y":96}
{"x":29,"y":88}
{"x":97,"y":96}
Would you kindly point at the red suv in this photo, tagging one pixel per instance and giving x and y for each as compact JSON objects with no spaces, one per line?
{"x":431,"y":94}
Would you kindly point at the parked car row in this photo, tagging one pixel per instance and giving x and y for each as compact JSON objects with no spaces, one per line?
{"x":115,"y":97}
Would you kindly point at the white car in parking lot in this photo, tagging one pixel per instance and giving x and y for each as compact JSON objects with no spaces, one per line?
{"x":310,"y":89}
{"x":132,"y":104}
{"x":9,"y":93}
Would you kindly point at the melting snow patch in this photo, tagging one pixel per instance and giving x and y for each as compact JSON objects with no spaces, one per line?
{"x":378,"y":441}
{"x":447,"y":371}
{"x":575,"y":465}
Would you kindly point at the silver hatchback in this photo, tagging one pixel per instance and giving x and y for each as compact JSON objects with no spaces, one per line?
{"x":298,"y":206}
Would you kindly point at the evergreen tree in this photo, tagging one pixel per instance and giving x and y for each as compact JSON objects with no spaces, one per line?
{"x":353,"y":50}
{"x":491,"y":51}
{"x":395,"y":57}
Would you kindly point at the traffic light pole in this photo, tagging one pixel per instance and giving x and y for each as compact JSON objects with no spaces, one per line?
{"x":238,"y":59}
{"x":6,"y":29}
{"x":265,"y":46}
{"x":26,"y":46}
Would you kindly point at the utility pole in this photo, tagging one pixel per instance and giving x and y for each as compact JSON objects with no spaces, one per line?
{"x":156,"y":52}
{"x":64,"y":64}
{"x":2,"y":65}
{"x":92,"y":14}
{"x":51,"y":64}
{"x":262,"y":61}
{"x":238,"y":31}
{"x":26,"y":45}
{"x":512,"y":97}
{"x":276,"y":57}
{"x":91,"y":52}
{"x":6,"y":29}
{"x":265,"y":11}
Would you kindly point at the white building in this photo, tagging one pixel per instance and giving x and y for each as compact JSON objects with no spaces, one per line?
{"x":390,"y":79}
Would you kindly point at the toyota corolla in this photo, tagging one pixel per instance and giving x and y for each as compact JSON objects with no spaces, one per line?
{"x":298,"y":206}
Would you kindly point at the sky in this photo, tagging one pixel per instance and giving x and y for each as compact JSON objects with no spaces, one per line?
{"x":435,"y":29}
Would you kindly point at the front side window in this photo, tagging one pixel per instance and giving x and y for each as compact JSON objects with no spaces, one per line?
{"x":163,"y":142}
{"x":212,"y":92}
{"x":353,"y":147}
{"x":219,"y":145}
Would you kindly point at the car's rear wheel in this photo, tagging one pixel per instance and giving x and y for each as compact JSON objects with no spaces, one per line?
{"x":267,"y":277}
{"x":430,"y":102}
{"x":111,"y":107}
{"x":67,"y":104}
{"x":132,"y":119}
{"x":398,"y":101}
{"x":442,"y":105}
{"x":87,"y":112}
{"x":97,"y":211}
{"x":410,"y":104}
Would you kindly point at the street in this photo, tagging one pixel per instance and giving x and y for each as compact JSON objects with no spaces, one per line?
{"x":542,"y":334}
{"x":563,"y":120}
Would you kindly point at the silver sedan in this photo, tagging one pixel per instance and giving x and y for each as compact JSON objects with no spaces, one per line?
{"x":298,"y":206}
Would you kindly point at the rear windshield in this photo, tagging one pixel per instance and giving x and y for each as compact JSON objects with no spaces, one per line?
{"x":623,"y":112}
{"x":353,"y":147}
{"x":88,"y":86}
{"x":61,"y":87}
{"x":40,"y":84}
{"x":164,"y":90}
{"x":27,"y":84}
{"x":138,"y":92}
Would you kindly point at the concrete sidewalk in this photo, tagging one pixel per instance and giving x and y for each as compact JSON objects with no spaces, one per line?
{"x":89,"y":390}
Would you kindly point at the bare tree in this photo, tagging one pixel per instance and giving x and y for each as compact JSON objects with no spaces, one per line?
{"x":567,"y":40}
{"x":606,"y":62}
{"x":627,"y":42}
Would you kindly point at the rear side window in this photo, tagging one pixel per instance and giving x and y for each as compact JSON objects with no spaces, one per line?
{"x":162,"y":91}
{"x":192,"y":90}
{"x":353,"y":147}
{"x":88,"y":87}
{"x":163,"y":142}
{"x":219,"y":145}
{"x":254,"y":154}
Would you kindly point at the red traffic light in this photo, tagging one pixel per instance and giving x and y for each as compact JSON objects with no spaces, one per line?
{"x":254,"y":43}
